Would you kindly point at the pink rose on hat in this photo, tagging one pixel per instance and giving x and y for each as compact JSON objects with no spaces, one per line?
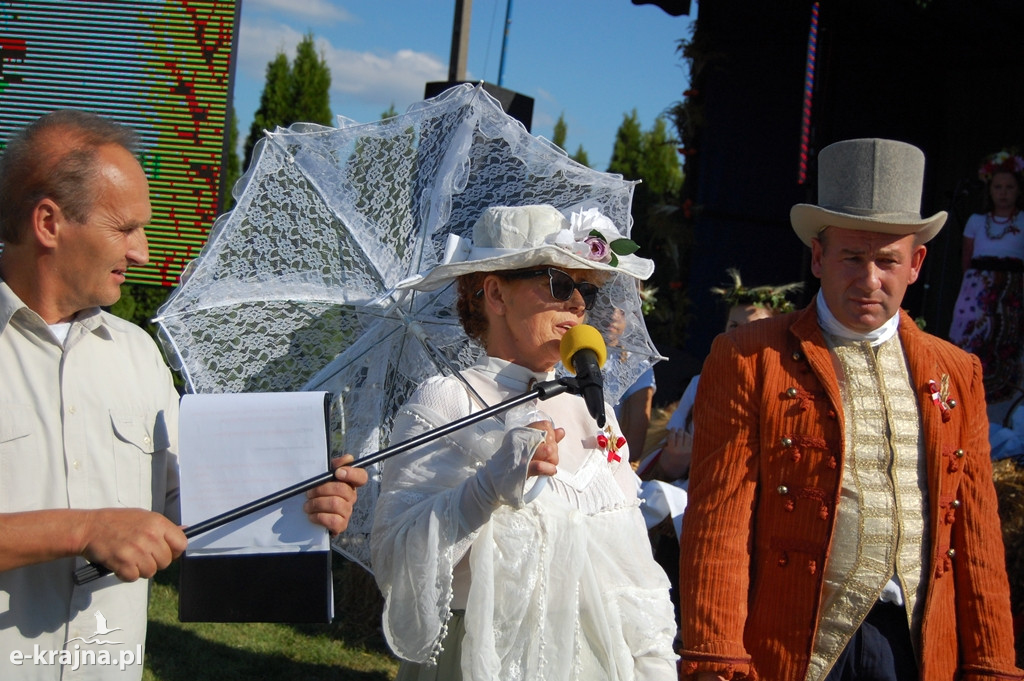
{"x":599,"y":251}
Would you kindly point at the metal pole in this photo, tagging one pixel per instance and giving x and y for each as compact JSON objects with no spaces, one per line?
{"x":460,"y":40}
{"x":504,"y":42}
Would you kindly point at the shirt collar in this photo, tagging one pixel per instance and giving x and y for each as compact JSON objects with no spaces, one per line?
{"x":830,"y":325}
{"x":11,"y":304}
{"x":509,"y":375}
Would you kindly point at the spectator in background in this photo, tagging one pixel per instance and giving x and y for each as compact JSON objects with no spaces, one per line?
{"x":672,"y":460}
{"x":633,"y":409}
{"x":988,"y":318}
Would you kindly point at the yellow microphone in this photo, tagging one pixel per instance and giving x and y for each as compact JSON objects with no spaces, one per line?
{"x":583,"y":353}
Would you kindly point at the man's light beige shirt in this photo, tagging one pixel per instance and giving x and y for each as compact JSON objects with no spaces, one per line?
{"x":92,"y":424}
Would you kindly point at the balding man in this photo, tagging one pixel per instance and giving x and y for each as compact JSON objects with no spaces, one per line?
{"x":88,"y":411}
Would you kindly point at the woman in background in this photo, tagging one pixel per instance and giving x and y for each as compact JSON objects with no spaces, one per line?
{"x":988,"y":319}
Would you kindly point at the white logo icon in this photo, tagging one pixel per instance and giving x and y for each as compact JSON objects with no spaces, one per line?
{"x":101,"y":630}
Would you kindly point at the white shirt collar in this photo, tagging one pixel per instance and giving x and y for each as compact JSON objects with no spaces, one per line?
{"x":830,"y":325}
{"x":513,"y":376}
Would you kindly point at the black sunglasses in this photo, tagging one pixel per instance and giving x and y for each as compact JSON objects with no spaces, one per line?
{"x":562,"y":285}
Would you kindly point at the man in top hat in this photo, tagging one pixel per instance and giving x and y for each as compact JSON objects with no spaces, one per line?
{"x":842,"y":521}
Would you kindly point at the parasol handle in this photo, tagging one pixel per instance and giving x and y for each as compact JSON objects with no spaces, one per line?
{"x":545,"y":390}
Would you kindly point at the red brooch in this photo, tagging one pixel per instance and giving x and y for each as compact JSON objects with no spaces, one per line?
{"x":610,"y":443}
{"x":939,"y":394}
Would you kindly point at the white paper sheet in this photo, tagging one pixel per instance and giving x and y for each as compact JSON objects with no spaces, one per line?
{"x":237,"y":448}
{"x":664,"y":499}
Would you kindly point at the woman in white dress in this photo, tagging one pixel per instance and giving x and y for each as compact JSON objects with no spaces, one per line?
{"x":515,"y":548}
{"x":988,"y":318}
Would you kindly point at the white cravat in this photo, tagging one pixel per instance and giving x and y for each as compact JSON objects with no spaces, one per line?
{"x":829,"y":324}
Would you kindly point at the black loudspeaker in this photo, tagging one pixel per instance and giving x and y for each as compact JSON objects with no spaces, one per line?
{"x":518,"y":106}
{"x":676,"y":8}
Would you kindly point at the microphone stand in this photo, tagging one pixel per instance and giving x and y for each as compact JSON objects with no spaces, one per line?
{"x":543,"y":391}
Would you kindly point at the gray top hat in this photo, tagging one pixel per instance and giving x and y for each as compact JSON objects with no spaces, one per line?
{"x":872,"y":185}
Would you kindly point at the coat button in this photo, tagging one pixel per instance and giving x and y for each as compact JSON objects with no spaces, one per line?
{"x":956,"y":503}
{"x":791,"y":392}
{"x":786,"y":442}
{"x":797,"y":356}
{"x":951,"y":553}
{"x":952,"y":404}
{"x":959,"y":453}
{"x":782,"y":489}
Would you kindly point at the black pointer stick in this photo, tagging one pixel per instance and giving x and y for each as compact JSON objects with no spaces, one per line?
{"x":543,"y":391}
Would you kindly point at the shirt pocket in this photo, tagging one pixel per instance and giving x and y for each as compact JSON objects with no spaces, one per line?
{"x":16,"y":444}
{"x":135,"y":441}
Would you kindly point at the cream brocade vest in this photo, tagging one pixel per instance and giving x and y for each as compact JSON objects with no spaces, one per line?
{"x":882,"y":513}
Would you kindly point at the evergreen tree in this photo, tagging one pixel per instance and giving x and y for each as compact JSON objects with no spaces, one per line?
{"x":310,"y":85}
{"x":659,"y":161}
{"x":627,"y":154}
{"x":560,"y":131}
{"x":294,"y":92}
{"x":651,"y":156}
{"x":581,"y":156}
{"x":231,"y":171}
{"x":274,"y":104}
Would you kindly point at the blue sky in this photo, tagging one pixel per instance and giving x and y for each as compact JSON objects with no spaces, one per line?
{"x":592,"y":60}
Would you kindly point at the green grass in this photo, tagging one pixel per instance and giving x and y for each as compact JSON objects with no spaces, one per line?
{"x":349,"y":649}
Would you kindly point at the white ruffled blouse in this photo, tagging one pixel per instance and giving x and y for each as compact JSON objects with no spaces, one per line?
{"x":561,"y":586}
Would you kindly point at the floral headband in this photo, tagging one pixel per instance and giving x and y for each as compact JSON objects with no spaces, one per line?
{"x":1001,"y":162}
{"x":771,"y":297}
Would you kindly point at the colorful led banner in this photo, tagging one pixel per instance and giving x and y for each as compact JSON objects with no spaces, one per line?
{"x":162,"y":67}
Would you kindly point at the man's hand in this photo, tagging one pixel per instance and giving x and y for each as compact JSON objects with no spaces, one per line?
{"x":131,"y":542}
{"x":330,"y":504}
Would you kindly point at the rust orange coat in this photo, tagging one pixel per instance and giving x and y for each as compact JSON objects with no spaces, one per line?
{"x":764,"y":484}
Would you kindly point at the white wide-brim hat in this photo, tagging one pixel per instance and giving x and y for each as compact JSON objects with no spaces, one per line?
{"x":518,"y":237}
{"x":872,"y":185}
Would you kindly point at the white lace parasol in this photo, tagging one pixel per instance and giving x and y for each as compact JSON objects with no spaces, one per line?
{"x":295,"y":289}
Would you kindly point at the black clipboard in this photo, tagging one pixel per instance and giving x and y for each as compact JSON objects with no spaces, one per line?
{"x":293,"y":587}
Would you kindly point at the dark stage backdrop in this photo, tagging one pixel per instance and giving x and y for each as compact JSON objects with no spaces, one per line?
{"x":945,"y":76}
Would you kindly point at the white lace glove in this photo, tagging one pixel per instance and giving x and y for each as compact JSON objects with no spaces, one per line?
{"x":501,"y":480}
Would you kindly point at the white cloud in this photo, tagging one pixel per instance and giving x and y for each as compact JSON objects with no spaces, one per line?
{"x":546,"y":96}
{"x":542,"y":120}
{"x":382,"y":79}
{"x":321,"y":11}
{"x":259,"y":43}
{"x":378,"y":79}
